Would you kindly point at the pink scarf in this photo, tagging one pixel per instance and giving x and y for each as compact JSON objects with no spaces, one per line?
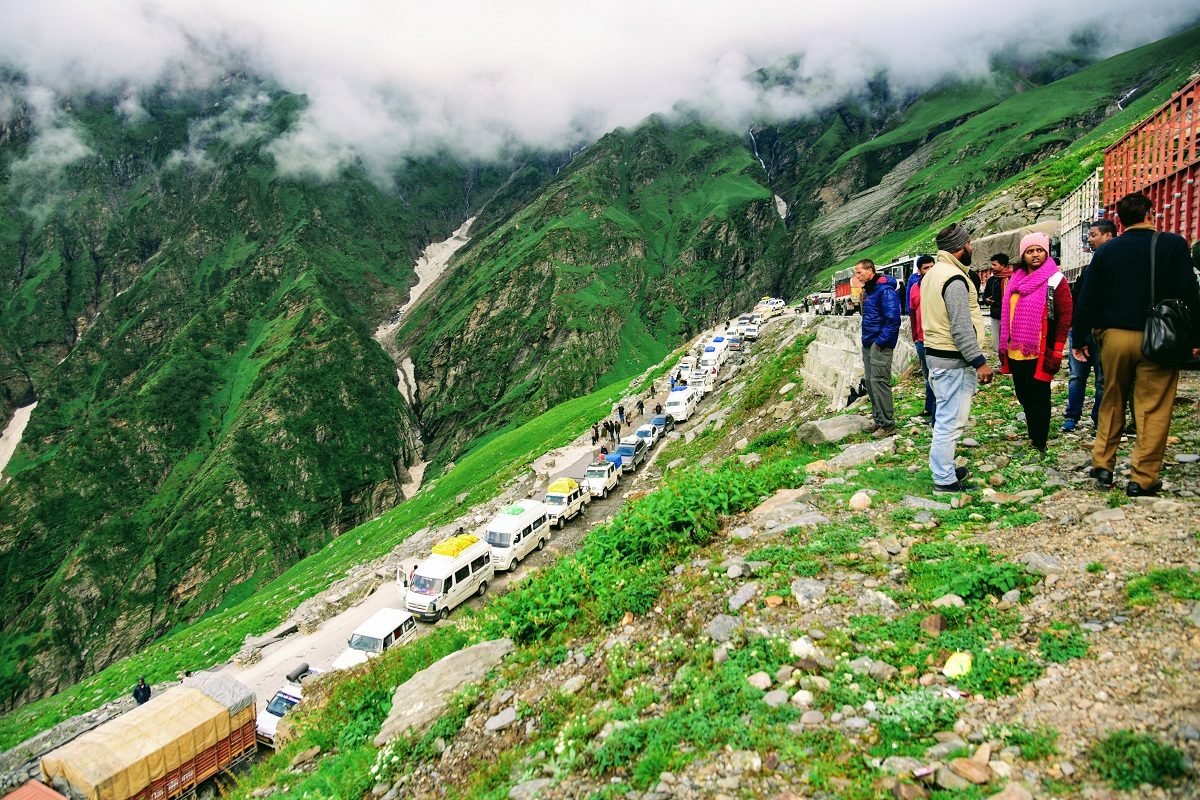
{"x":1022,"y":331}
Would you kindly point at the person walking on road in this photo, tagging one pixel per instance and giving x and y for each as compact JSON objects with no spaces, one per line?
{"x":141,"y":692}
{"x":954,"y":335}
{"x":924,"y":263}
{"x":1113,"y":306}
{"x":1100,"y":232}
{"x":641,"y":407}
{"x":1035,"y":316}
{"x":880,"y":330}
{"x":621,"y":414}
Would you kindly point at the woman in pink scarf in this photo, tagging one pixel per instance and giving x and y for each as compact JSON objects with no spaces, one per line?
{"x":1034,"y":321}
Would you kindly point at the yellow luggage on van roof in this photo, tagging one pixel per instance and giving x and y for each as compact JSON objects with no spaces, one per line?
{"x":455,"y":545}
{"x":563,"y":486}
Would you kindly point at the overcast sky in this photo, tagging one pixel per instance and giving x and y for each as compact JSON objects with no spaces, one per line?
{"x":387,"y":79}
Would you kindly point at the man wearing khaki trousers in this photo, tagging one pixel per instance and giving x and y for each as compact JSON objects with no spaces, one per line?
{"x":1114,"y":302}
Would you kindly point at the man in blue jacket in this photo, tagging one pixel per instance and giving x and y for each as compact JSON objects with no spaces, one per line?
{"x":880,"y":329}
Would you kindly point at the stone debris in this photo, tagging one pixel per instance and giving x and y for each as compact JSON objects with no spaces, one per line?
{"x":833,"y":429}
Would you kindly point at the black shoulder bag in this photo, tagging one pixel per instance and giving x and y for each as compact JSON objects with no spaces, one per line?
{"x":1166,"y":339}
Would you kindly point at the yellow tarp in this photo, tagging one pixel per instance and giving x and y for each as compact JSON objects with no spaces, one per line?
{"x":123,"y":756}
{"x":563,"y":486}
{"x":453,"y":546}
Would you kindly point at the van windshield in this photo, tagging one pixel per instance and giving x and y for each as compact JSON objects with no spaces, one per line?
{"x":280,"y":704}
{"x":596,"y":472}
{"x":367,"y":644}
{"x":499,"y":539}
{"x":556,"y":499}
{"x":424,"y":585}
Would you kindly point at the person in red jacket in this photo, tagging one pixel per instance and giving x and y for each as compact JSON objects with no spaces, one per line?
{"x":918,"y":333}
{"x":1034,"y":320}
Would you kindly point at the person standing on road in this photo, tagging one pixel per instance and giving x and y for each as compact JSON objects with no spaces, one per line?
{"x":141,"y":692}
{"x":621,"y":414}
{"x":954,"y":334}
{"x":1100,"y":232}
{"x":880,"y":330}
{"x":595,"y":433}
{"x":641,"y":407}
{"x":924,"y":263}
{"x":1035,"y":316}
{"x":1113,"y":305}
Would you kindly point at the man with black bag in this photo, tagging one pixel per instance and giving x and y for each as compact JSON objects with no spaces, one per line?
{"x":1142,"y":300}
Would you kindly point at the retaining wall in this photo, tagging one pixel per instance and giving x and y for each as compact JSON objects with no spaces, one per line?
{"x":833,"y":363}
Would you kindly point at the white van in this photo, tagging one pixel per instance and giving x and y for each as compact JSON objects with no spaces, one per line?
{"x":602,"y":477}
{"x":686,"y":365}
{"x":750,"y":334}
{"x":516,"y":532}
{"x":681,"y":402}
{"x":566,"y":499}
{"x":385,"y":628}
{"x":458,"y":568}
{"x":709,"y":361}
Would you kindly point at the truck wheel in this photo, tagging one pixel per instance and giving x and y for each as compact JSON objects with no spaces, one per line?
{"x":541,"y":545}
{"x":604,"y":493}
{"x":444,"y":614}
{"x":482,"y":589}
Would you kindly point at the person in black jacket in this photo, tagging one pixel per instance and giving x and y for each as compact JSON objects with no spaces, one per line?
{"x":141,"y":692}
{"x":1114,"y":302}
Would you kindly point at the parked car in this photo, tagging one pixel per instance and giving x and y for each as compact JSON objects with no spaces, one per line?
{"x":385,"y":628}
{"x":734,"y":342}
{"x":566,"y":498}
{"x":664,"y":423}
{"x":632,"y":450}
{"x":647,"y":432}
{"x":602,"y":477}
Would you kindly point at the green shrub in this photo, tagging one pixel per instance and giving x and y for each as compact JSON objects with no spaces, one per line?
{"x":1180,"y":583}
{"x":1127,"y":760}
{"x":770,"y":439}
{"x":1036,"y":744}
{"x":1062,"y":643}
{"x":999,"y":672}
{"x":916,"y":715}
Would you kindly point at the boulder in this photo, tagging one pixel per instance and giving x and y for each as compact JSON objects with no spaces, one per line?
{"x":420,"y":700}
{"x":857,"y":454}
{"x":833,"y":429}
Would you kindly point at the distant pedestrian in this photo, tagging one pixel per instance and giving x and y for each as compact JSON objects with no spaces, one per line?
{"x":880,"y":331}
{"x":672,"y":383}
{"x":953,"y":328}
{"x":595,"y":433}
{"x":1114,"y":303}
{"x":993,"y":294}
{"x":141,"y":692}
{"x":641,"y":407}
{"x":924,"y":263}
{"x":621,"y":414}
{"x":1035,"y":316}
{"x":657,"y":408}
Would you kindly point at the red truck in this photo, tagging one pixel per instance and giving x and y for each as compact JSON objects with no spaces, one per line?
{"x":162,"y":749}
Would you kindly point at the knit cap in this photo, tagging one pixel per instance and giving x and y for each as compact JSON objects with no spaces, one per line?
{"x":953,"y":239}
{"x":1031,"y":239}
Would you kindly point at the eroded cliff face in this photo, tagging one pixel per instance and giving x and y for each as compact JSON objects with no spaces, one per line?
{"x":645,"y":238}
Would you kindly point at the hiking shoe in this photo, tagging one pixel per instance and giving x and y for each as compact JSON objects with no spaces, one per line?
{"x":1069,"y":425}
{"x":961,"y":473}
{"x":883,"y":431}
{"x":1103,"y":477}
{"x":949,"y":488}
{"x":1134,"y":489}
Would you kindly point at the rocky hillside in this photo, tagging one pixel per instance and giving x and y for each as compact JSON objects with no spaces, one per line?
{"x":794,"y":614}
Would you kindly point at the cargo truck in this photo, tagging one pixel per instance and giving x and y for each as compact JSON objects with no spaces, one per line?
{"x":162,"y":749}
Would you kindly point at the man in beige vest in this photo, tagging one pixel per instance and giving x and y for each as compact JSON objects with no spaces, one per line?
{"x":953,"y":327}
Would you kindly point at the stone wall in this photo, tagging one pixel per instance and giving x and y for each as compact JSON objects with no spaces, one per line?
{"x":833,"y":364}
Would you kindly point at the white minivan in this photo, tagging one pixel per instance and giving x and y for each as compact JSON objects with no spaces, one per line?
{"x":681,"y":402}
{"x":517,"y":531}
{"x":602,"y":477}
{"x":385,"y":628}
{"x":687,"y":365}
{"x":457,"y":569}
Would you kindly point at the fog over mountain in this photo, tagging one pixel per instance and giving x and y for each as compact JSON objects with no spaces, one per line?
{"x":387,"y":80}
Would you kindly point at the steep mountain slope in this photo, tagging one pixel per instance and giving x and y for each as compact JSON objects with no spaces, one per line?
{"x":645,"y":237}
{"x":212,"y":406}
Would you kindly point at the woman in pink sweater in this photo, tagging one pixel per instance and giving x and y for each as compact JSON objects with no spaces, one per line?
{"x":1034,"y":320}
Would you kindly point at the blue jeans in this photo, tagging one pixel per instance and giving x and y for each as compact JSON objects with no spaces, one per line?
{"x":952,"y":390}
{"x":929,"y":401}
{"x":1077,"y":385}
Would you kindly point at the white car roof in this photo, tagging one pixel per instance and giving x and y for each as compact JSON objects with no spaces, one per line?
{"x":646,"y":427}
{"x":383,"y":622}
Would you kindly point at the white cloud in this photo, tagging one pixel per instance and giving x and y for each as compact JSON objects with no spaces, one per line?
{"x":387,"y":79}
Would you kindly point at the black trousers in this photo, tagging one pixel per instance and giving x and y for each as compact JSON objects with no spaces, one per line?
{"x":1034,"y":397}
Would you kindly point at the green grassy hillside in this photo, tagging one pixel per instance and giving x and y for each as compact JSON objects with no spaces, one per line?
{"x":646,"y":237}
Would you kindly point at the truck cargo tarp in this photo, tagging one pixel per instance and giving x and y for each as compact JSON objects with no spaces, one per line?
{"x":122,"y":757}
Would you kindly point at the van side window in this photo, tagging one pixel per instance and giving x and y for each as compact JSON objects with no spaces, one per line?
{"x":478,"y":564}
{"x":462,"y":574}
{"x":409,"y":625}
{"x":448,"y":584}
{"x":541,"y":521}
